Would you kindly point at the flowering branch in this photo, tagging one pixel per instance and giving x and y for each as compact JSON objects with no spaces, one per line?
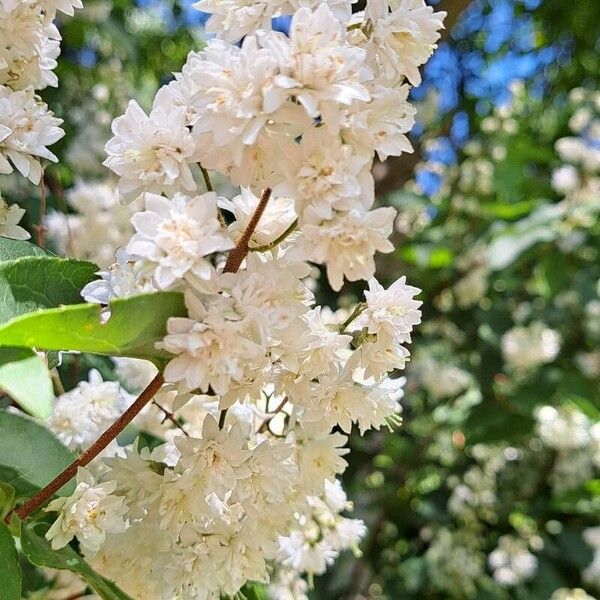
{"x":239,"y":253}
{"x":101,"y":443}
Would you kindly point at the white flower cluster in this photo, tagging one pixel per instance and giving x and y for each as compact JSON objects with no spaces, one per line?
{"x":261,"y":380}
{"x":80,"y":415}
{"x":29,"y":46}
{"x":591,"y":574}
{"x":99,"y":226}
{"x":576,"y":440}
{"x":511,"y":562}
{"x":578,"y":179}
{"x":526,"y":347}
{"x":300,"y":114}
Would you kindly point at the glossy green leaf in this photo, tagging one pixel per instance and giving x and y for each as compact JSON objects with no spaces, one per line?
{"x":134,"y":327}
{"x":24,"y":377}
{"x":38,"y":551}
{"x":36,"y":282}
{"x":10,"y":571}
{"x":32,"y":450}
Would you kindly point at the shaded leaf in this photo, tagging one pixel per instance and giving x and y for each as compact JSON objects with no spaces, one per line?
{"x":32,"y":451}
{"x":10,"y":571}
{"x":24,"y":376}
{"x":39,"y":552}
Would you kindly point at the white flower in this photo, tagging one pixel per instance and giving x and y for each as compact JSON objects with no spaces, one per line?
{"x":383,"y":123}
{"x":269,"y":290}
{"x":401,"y":38}
{"x":318,"y":68}
{"x":322,"y":173}
{"x":101,"y":226}
{"x":346,"y":243}
{"x":89,"y":514}
{"x":565,"y":179}
{"x":394,"y":311}
{"x":213,"y":346}
{"x":29,"y":47}
{"x":150,"y":153}
{"x":134,"y":373}
{"x":277,"y":217}
{"x":177,"y":235}
{"x":230,"y":91}
{"x":83,"y":413}
{"x":319,"y":455}
{"x":127,"y":277}
{"x":26,"y":128}
{"x":528,"y":347}
{"x":511,"y":562}
{"x":563,"y":428}
{"x":9,"y":219}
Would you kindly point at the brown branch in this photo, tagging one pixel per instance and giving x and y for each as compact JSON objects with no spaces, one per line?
{"x":239,"y":253}
{"x":100,"y":444}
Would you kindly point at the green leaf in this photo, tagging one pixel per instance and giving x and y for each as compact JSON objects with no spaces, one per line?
{"x":10,"y":571}
{"x":22,"y":487}
{"x":12,"y":249}
{"x":7,"y":499}
{"x":24,"y":376}
{"x":253,"y":591}
{"x":134,"y":327}
{"x":38,"y":550}
{"x":32,"y":451}
{"x":34,"y":282}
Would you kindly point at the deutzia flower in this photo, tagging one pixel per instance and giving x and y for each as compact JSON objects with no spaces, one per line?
{"x":213,"y":346}
{"x":176,"y":235}
{"x":393,"y":311}
{"x":9,"y":219}
{"x":511,"y":562}
{"x":26,"y":128}
{"x":402,"y":36}
{"x":347,"y":242}
{"x":90,"y":513}
{"x":83,"y":413}
{"x":322,"y":173}
{"x":527,"y":347}
{"x":150,"y":153}
{"x":320,"y":70}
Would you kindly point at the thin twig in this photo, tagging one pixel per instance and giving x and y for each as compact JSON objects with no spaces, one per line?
{"x":41,"y":228}
{"x":210,"y":188}
{"x":100,"y":444}
{"x":206,"y":177}
{"x":290,"y":229}
{"x":171,"y":417}
{"x":265,"y":423}
{"x":355,"y":313}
